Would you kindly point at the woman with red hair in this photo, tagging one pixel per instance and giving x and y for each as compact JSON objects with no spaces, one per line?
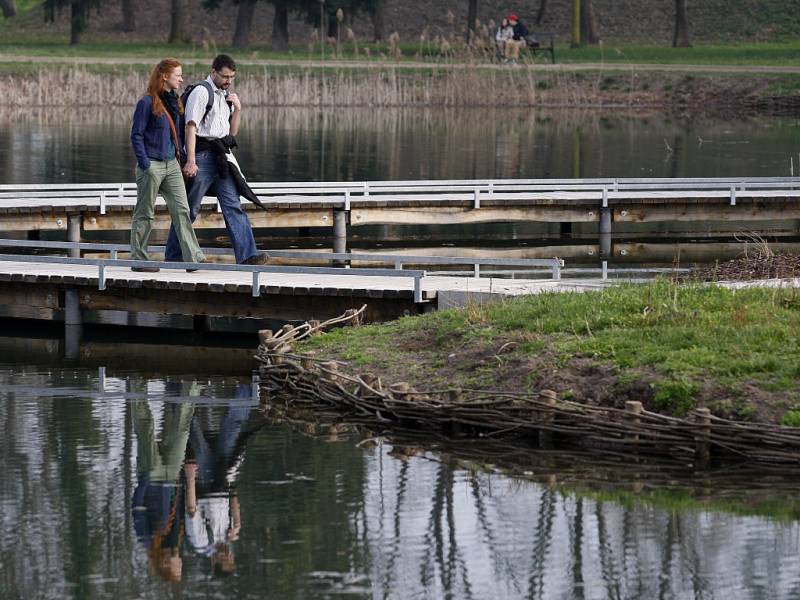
{"x":158,"y":144}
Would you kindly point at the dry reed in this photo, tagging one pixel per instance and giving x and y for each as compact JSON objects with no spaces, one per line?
{"x":380,"y":87}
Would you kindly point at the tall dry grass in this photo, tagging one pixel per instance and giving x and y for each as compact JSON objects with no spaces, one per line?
{"x":385,"y":87}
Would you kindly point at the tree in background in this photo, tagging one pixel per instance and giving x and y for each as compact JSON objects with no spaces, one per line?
{"x":244,"y":23}
{"x":377,"y":11}
{"x":589,"y":33}
{"x":681,"y":37}
{"x":128,"y":15}
{"x":8,"y":7}
{"x":177,"y":22}
{"x":280,"y":26}
{"x":540,"y":12}
{"x":576,"y":23}
{"x":472,"y":19}
{"x":79,"y":11}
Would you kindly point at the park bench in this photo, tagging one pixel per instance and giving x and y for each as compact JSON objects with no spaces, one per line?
{"x":542,"y":42}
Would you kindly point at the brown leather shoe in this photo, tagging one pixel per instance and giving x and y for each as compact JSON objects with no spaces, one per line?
{"x":261,"y":258}
{"x":145,"y":269}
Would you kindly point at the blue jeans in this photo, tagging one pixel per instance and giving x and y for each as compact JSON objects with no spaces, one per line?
{"x":207,"y":181}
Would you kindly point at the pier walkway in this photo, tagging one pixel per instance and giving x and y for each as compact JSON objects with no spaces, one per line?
{"x":49,"y":286}
{"x":79,"y":209}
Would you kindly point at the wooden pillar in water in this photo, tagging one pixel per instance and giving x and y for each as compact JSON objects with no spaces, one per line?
{"x":73,"y":324}
{"x":74,"y":234}
{"x":339,"y":235}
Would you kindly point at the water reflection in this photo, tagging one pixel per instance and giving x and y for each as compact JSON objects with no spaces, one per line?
{"x":306,"y":144}
{"x":168,"y":486}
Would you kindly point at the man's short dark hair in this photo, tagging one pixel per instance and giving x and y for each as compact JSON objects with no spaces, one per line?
{"x":222,"y":61}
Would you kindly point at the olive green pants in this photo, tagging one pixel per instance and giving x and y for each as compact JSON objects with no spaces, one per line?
{"x":162,"y":177}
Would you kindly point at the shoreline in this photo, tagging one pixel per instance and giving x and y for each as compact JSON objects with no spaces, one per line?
{"x":652,"y":362}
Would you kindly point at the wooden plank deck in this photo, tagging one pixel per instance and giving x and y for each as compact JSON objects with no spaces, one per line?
{"x":229,"y":294}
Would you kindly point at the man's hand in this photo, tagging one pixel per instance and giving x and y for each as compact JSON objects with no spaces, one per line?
{"x":190,"y":168}
{"x":234,"y":99}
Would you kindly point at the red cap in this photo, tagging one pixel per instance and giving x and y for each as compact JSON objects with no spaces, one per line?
{"x":512,"y":17}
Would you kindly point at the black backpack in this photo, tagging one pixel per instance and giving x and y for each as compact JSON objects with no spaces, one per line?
{"x":190,"y":88}
{"x":185,"y":98}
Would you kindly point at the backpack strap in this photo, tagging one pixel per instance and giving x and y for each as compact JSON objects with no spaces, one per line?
{"x":210,"y":101}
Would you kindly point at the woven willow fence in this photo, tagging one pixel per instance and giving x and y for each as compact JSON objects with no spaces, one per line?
{"x":304,"y":379}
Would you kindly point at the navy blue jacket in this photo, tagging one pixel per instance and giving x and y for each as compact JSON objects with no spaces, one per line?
{"x":151,"y":135}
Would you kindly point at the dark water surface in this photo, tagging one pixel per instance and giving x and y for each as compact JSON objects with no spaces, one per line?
{"x":123,"y":483}
{"x":292,"y":144}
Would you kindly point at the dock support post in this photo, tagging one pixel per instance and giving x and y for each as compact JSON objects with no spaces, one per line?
{"x":74,"y":234}
{"x":73,"y":324}
{"x":605,"y":232}
{"x":339,"y":235}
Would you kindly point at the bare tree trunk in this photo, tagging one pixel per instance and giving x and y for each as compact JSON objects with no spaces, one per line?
{"x":681,"y":37}
{"x":8,"y":7}
{"x":576,"y":23}
{"x":280,"y":26}
{"x":176,"y":25}
{"x":244,"y":21}
{"x":589,"y":33}
{"x":540,"y":12}
{"x":378,"y":20}
{"x":78,"y":21}
{"x":472,"y":17}
{"x":128,"y":15}
{"x":332,"y":27}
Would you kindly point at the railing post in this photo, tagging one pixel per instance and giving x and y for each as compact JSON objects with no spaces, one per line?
{"x":74,"y":234}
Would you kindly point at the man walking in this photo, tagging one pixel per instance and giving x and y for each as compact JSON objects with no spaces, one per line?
{"x":212,"y":117}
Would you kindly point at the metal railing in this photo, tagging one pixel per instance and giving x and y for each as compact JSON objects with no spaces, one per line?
{"x":340,"y":194}
{"x":256,"y":270}
{"x":554,"y":265}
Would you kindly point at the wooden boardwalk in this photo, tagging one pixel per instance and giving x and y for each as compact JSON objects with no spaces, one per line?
{"x":32,"y":286}
{"x":107,"y":207}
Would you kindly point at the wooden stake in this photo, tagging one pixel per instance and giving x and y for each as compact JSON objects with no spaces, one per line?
{"x":547,"y":417}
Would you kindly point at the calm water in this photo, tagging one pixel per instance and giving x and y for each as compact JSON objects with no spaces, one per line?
{"x":123,"y":483}
{"x":279,"y":144}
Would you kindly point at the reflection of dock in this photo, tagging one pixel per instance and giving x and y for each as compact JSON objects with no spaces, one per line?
{"x":93,"y":208}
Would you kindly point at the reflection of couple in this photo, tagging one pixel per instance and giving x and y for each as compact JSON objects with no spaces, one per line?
{"x":186,"y":485}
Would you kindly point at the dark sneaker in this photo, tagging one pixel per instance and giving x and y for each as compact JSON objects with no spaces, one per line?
{"x":193,"y":270}
{"x":145,"y":269}
{"x":261,"y":258}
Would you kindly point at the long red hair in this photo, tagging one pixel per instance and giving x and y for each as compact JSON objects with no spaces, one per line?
{"x":155,"y":85}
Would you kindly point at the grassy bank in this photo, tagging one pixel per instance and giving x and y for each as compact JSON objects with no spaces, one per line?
{"x":769,"y":54}
{"x":674,"y":347}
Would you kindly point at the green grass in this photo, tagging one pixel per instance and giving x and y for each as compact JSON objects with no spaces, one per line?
{"x":47,"y":45}
{"x":686,"y":333}
{"x":767,"y":53}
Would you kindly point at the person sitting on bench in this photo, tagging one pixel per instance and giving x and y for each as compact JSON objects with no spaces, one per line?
{"x":518,"y":41}
{"x":504,"y":33}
